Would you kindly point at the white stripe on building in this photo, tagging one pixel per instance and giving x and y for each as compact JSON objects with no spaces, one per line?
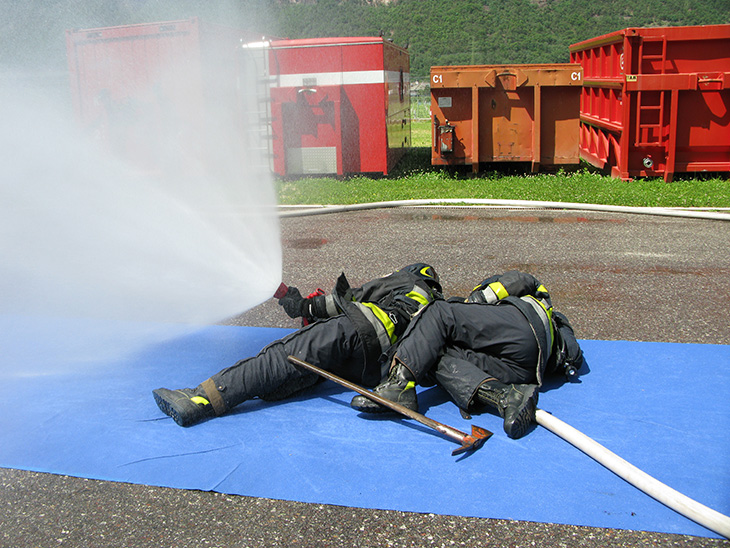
{"x":354,"y":77}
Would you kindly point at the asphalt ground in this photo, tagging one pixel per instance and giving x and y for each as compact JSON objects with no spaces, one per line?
{"x":616,"y":276}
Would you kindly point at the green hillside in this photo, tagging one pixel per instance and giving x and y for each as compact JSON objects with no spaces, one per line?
{"x":489,"y":31}
{"x":437,"y":32}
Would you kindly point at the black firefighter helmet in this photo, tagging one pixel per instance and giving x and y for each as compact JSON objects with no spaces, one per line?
{"x":426,"y":272}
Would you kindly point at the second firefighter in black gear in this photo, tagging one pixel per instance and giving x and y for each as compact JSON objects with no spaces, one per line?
{"x":355,"y":329}
{"x":492,"y":349}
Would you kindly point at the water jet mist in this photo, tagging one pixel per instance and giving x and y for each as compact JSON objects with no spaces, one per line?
{"x":99,"y":257}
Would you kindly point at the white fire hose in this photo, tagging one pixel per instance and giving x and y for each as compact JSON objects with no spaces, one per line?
{"x":705,"y":516}
{"x":661,"y":211}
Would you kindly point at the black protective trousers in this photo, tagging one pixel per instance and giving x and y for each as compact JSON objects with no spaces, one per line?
{"x":332,"y":344}
{"x":463,"y":344}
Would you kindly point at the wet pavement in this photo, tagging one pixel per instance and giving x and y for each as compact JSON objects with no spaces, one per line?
{"x":616,"y":276}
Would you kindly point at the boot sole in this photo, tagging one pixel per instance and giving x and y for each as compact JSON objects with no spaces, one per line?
{"x":525,"y":419}
{"x":376,"y":409}
{"x":168,"y":407}
{"x":372,"y":410}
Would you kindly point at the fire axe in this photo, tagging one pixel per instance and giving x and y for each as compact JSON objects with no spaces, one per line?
{"x":468,"y":442}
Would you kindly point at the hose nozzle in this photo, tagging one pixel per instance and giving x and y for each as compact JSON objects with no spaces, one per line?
{"x":281,"y":291}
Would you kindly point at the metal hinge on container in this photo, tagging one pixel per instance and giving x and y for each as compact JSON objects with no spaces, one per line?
{"x":714,"y":81}
{"x":508,"y":79}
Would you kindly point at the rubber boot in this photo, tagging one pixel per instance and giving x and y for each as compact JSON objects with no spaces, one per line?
{"x":186,"y":406}
{"x":400,"y":387}
{"x":516,"y":403}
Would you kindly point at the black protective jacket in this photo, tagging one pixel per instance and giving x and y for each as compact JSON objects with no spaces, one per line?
{"x":357,"y":326}
{"x":558,"y":346}
{"x":380,"y":310}
{"x":525,"y":292}
{"x":506,"y":330}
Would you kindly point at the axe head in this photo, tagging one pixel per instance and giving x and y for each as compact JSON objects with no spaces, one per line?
{"x":474,"y":441}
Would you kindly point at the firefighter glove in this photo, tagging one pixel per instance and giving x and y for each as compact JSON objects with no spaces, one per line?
{"x":293,"y":303}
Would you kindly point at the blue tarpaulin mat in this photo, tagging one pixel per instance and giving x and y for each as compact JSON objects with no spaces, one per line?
{"x":664,"y":407}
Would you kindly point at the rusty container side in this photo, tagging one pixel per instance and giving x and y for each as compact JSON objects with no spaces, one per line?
{"x":506,"y":113}
{"x":656,"y":101}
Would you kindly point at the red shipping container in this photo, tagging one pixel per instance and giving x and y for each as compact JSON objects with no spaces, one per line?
{"x":338,"y":105}
{"x":158,"y":95}
{"x":656,"y":101}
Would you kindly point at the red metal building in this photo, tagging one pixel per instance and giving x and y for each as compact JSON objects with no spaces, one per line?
{"x":156,"y":93}
{"x":656,"y":101}
{"x":338,"y":105}
{"x":327,"y":106}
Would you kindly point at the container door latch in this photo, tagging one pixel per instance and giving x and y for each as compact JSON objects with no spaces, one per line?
{"x":446,"y":138}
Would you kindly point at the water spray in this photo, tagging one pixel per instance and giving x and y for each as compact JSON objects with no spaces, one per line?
{"x":91,"y":239}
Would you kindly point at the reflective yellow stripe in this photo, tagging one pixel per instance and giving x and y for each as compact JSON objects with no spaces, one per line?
{"x":384,"y":319}
{"x":549,"y":311}
{"x":422,"y":300}
{"x":200,"y":400}
{"x":542,"y":289}
{"x":499,"y":290}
